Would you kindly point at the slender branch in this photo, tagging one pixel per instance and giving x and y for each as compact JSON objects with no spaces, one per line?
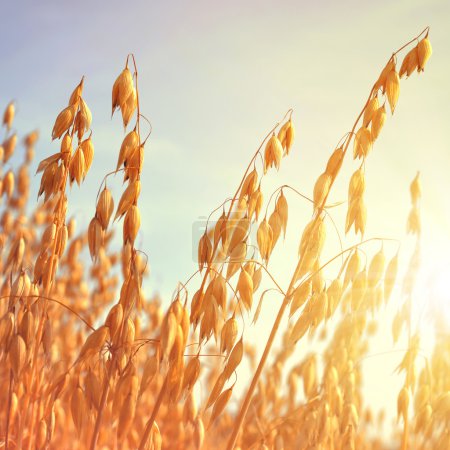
{"x":59,"y":302}
{"x":246,"y":402}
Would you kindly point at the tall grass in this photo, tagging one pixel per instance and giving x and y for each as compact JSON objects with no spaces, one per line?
{"x":88,"y":361}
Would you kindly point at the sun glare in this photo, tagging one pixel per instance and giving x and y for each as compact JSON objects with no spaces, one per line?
{"x":437,"y":295}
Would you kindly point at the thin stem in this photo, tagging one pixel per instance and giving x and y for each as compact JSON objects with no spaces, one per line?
{"x":127,"y":312}
{"x":249,"y":394}
{"x":246,"y":403}
{"x":8,"y":409}
{"x":59,"y":221}
{"x":55,"y":301}
{"x":101,"y":408}
{"x":149,"y":424}
{"x":216,"y":209}
{"x":208,"y":269}
{"x":280,"y":289}
{"x":426,"y":29}
{"x":325,"y":210}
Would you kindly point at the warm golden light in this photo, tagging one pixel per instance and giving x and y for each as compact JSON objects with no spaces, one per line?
{"x":263,"y":160}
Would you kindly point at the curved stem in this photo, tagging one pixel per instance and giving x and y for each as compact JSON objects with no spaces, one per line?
{"x":205,"y":276}
{"x":246,"y":402}
{"x":149,"y":424}
{"x":55,"y":301}
{"x":127,"y":311}
{"x":60,"y":217}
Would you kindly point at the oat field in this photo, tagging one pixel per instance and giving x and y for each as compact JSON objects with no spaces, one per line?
{"x":88,"y":360}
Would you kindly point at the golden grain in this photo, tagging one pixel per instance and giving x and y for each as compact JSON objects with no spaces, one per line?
{"x":87,"y":342}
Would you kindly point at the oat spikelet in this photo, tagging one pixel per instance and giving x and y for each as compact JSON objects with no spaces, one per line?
{"x":321,"y":189}
{"x":78,"y":408}
{"x":63,"y":121}
{"x":8,"y":184}
{"x":228,"y":335}
{"x":424,"y":52}
{"x":335,"y":162}
{"x":8,"y":115}
{"x":114,"y":320}
{"x":150,"y":370}
{"x":191,"y":373}
{"x":220,"y":229}
{"x":334,"y":293}
{"x":249,"y":184}
{"x":376,"y":268}
{"x":131,"y":224}
{"x":240,"y":233}
{"x":273,"y":153}
{"x":129,"y":197}
{"x":301,"y":294}
{"x":416,"y":189}
{"x":128,"y":147}
{"x":105,"y":208}
{"x":282,"y":210}
{"x":265,"y":238}
{"x":410,"y":63}
{"x":403,"y":403}
{"x":122,"y":88}
{"x":17,"y":355}
{"x":6,"y":329}
{"x":94,"y":342}
{"x":234,"y":359}
{"x":286,"y":136}
{"x":312,"y":242}
{"x":300,"y":328}
{"x":369,"y":110}
{"x":245,"y":288}
{"x":27,"y":328}
{"x":77,"y":166}
{"x":362,"y":143}
{"x":236,"y":258}
{"x":378,"y":119}
{"x":126,"y":417}
{"x":357,"y":216}
{"x":353,"y":267}
{"x":392,"y":89}
{"x":204,"y":251}
{"x":93,"y":389}
{"x":95,"y":237}
{"x":129,"y":107}
{"x":88,"y":152}
{"x":9,"y":145}
{"x":76,"y":94}
{"x":168,"y":333}
{"x":220,"y":404}
{"x":381,"y":82}
{"x":216,"y":390}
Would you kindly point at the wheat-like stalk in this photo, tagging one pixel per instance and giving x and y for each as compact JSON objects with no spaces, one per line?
{"x":88,"y":361}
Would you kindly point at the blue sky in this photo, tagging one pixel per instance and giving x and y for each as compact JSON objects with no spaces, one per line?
{"x":214,"y":77}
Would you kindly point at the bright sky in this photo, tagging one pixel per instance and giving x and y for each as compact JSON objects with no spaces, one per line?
{"x":214,"y":78}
